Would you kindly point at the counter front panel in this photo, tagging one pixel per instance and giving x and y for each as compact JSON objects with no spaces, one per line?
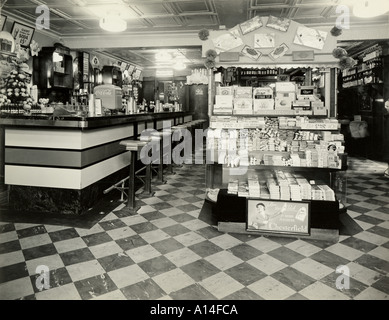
{"x":63,"y":166}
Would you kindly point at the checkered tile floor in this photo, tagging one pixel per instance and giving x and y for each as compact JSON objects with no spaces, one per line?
{"x":167,"y":252}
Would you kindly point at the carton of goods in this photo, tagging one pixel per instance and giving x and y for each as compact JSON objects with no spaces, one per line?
{"x":291,"y":95}
{"x":263,"y":104}
{"x":317,"y":104}
{"x":244,"y":92}
{"x":243,"y":106}
{"x":263,"y":93}
{"x":283,"y":103}
{"x":301,"y":105}
{"x":217,"y":110}
{"x":319,"y":111}
{"x":224,"y":101}
{"x":225,"y":91}
{"x":263,"y":99}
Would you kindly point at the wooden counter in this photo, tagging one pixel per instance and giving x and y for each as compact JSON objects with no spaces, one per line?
{"x":62,"y":165}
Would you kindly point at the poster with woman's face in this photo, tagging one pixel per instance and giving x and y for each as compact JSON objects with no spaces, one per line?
{"x":278,"y":216}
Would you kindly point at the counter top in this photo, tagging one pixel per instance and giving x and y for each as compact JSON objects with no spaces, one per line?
{"x":82,"y":122}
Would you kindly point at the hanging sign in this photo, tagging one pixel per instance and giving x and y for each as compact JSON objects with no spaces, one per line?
{"x":309,"y":37}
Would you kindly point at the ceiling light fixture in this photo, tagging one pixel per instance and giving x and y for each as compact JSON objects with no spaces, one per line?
{"x":162,"y":56}
{"x":113,"y":23}
{"x":370,"y":8}
{"x":179,"y":65}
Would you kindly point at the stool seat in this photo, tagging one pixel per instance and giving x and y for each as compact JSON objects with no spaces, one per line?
{"x":161,"y":134}
{"x":133,"y":145}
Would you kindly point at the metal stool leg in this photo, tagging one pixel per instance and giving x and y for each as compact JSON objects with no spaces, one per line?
{"x":131,"y":184}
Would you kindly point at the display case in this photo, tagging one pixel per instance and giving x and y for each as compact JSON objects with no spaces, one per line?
{"x":53,"y":68}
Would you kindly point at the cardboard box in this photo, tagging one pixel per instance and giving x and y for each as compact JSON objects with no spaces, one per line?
{"x":244,"y":92}
{"x":243,"y":104}
{"x":222,"y":110}
{"x":317,"y":104}
{"x":291,"y":95}
{"x":263,"y":93}
{"x":302,"y":104}
{"x":263,"y":104}
{"x":283,"y":103}
{"x":224,"y":101}
{"x":285,"y":87}
{"x":225,"y":91}
{"x":319,"y":111}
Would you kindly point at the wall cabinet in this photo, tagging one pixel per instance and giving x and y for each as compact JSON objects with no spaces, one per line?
{"x":53,"y":68}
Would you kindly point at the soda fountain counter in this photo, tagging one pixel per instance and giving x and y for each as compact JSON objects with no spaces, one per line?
{"x":62,"y":165}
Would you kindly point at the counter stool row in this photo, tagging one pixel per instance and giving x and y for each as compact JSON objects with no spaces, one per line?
{"x":135,"y":147}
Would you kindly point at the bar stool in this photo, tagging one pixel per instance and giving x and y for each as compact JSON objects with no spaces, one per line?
{"x":135,"y":147}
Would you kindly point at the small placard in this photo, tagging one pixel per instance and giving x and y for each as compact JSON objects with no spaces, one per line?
{"x":228,"y":56}
{"x":307,"y":55}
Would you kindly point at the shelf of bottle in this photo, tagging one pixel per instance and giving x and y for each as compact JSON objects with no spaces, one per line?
{"x":362,"y":71}
{"x":270,"y":115}
{"x":361,"y":84}
{"x":285,"y":168}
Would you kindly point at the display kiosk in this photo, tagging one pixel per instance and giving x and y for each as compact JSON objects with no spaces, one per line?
{"x":274,"y":147}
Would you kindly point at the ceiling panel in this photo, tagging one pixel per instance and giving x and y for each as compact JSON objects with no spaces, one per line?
{"x":150,"y":9}
{"x":71,"y":18}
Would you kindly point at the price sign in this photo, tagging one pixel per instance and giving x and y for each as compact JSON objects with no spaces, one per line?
{"x":22,"y":34}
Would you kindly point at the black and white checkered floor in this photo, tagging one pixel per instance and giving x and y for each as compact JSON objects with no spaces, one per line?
{"x":167,"y":252}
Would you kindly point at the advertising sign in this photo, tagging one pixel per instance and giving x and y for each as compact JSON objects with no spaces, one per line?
{"x":278,"y":216}
{"x":22,"y":34}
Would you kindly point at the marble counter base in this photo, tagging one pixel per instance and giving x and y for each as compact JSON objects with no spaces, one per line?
{"x":61,"y":201}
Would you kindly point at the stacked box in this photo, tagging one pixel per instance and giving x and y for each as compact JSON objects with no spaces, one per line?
{"x":223,"y":104}
{"x":243,"y":106}
{"x":283,"y":185}
{"x":285,"y":95}
{"x":295,"y":191}
{"x":254,"y":188}
{"x":317,"y":193}
{"x":268,"y":159}
{"x":243,"y":92}
{"x":264,"y":191}
{"x":329,"y":194}
{"x":263,"y":99}
{"x":274,"y":189}
{"x":233,"y":186}
{"x":285,"y":87}
{"x":243,"y":190}
{"x":295,"y":160}
{"x":225,"y":91}
{"x":305,"y":188}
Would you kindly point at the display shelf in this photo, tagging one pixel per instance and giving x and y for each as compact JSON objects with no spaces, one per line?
{"x":287,"y":168}
{"x":272,"y":114}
